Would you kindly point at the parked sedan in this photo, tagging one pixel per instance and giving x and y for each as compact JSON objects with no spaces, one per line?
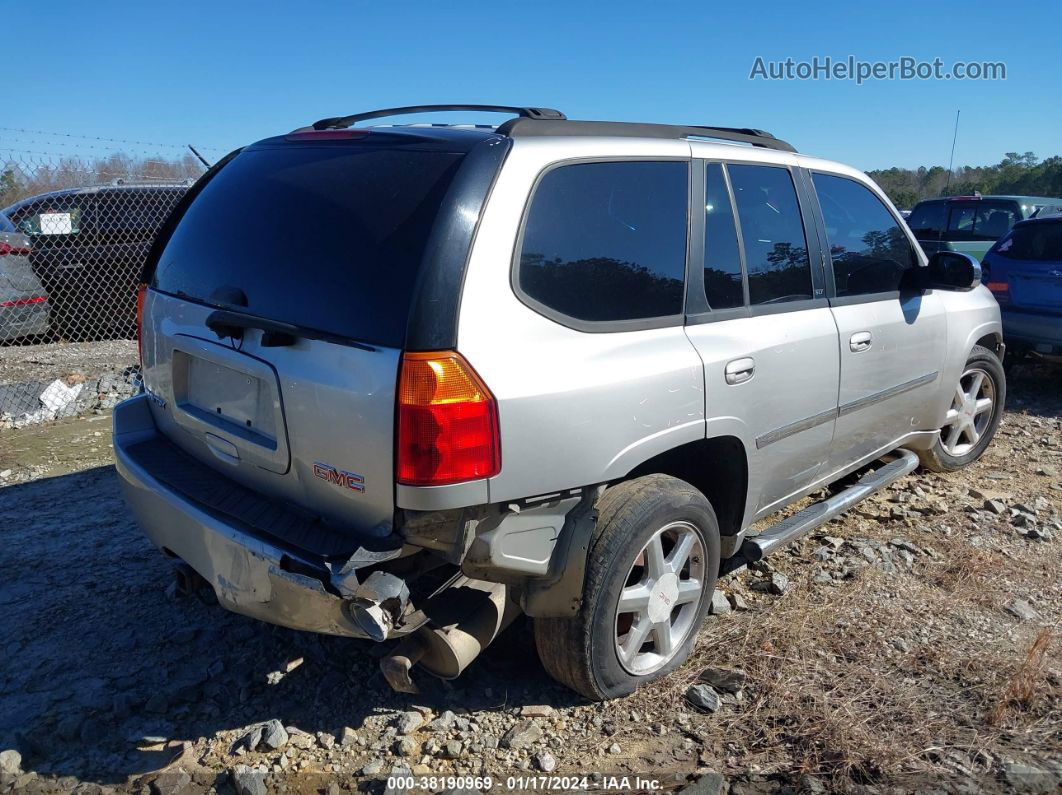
{"x":1024,"y":271}
{"x":24,"y":309}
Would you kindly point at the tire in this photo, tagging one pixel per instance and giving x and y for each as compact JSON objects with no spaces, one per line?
{"x":584,"y":651}
{"x":977,"y":429}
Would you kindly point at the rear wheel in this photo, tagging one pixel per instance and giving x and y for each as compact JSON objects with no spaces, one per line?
{"x":650,"y":575}
{"x":974,"y":415}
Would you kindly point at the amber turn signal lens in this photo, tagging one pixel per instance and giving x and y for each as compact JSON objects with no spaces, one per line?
{"x":447,"y":422}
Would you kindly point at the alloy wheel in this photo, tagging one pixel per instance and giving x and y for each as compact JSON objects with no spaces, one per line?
{"x":970,"y":412}
{"x":658,"y":605}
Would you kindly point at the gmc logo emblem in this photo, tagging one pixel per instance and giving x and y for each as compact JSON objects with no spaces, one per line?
{"x":337,"y":477}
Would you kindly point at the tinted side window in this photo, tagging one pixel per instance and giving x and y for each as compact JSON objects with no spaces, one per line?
{"x":982,"y":220}
{"x":927,"y":220}
{"x":607,"y":241}
{"x":772,"y":233}
{"x":868,"y":248}
{"x":722,"y":262}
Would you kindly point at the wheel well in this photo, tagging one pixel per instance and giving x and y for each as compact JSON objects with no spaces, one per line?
{"x":717,"y":467}
{"x":990,"y":341}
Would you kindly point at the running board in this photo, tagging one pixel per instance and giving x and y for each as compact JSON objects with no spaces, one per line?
{"x":803,"y":522}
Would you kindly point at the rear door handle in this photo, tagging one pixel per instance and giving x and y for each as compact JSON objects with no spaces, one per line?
{"x":740,"y":370}
{"x":861,"y":341}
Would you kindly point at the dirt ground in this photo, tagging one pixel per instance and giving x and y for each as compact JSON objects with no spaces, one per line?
{"x":911,"y":645}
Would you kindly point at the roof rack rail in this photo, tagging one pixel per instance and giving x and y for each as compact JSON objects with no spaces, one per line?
{"x":527,"y":127}
{"x":339,"y":122}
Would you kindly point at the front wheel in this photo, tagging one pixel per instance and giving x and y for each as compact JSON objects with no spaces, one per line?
{"x":650,"y":575}
{"x":974,"y":415}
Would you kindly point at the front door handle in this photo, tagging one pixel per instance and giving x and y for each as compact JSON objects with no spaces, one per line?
{"x":740,"y":370}
{"x":861,"y":341}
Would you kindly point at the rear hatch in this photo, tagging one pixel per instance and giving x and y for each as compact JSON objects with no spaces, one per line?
{"x":1030,"y":260}
{"x":277,"y":313}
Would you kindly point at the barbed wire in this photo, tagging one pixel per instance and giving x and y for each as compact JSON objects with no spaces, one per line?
{"x":104,"y":139}
{"x":13,"y":153}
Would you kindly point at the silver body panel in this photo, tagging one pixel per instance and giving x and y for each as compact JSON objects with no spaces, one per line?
{"x":310,"y":403}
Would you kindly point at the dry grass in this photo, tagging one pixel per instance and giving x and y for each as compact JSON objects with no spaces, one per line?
{"x":1028,"y":681}
{"x":886,"y":675}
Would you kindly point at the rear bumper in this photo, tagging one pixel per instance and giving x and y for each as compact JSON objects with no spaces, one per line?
{"x":249,"y":575}
{"x":1042,"y":332}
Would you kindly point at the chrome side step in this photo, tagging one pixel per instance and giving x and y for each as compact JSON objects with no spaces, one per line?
{"x":803,"y":522}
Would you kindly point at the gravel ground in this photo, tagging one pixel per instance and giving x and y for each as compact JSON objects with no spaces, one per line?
{"x":912,"y":644}
{"x":40,"y":383}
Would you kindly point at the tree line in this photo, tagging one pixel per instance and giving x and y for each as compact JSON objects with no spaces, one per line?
{"x":1016,"y":174}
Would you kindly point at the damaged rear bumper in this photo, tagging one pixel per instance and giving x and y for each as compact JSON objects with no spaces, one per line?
{"x":250,"y":575}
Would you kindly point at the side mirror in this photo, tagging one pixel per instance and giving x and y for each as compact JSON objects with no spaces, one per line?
{"x":950,"y":270}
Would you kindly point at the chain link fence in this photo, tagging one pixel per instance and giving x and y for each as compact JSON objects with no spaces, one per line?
{"x":75,"y":230}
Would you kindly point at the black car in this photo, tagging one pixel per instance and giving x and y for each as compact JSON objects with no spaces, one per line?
{"x":88,"y":248}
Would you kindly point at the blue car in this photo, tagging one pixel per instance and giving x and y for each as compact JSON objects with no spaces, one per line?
{"x":1024,"y":272}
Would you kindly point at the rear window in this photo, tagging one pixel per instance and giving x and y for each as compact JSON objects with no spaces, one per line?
{"x":927,"y":220}
{"x":327,"y":237}
{"x":1036,"y":242}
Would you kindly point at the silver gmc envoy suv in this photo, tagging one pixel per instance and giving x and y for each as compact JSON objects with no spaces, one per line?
{"x":407,"y":382}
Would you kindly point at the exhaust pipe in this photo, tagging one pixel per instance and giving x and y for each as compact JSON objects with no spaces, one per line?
{"x":462,"y":621}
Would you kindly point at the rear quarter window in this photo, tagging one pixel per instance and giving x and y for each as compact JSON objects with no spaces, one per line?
{"x":326,"y":237}
{"x":606,"y":242}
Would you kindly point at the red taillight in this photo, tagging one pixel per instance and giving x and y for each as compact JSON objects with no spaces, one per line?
{"x":447,"y":422}
{"x":16,"y":251}
{"x":141,"y":292}
{"x":40,"y":299}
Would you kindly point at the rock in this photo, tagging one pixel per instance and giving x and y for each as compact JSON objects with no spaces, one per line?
{"x":249,"y":741}
{"x":347,"y":737}
{"x":809,"y":785}
{"x":10,"y":762}
{"x":523,"y":735}
{"x":443,"y":723}
{"x":615,"y":749}
{"x":453,"y":749}
{"x":274,"y":735}
{"x":248,"y":781}
{"x":409,"y":722}
{"x":1050,"y":472}
{"x":737,"y":601}
{"x":545,"y":762}
{"x":173,"y":781}
{"x":536,"y":711}
{"x":727,"y":680}
{"x":1029,"y":778}
{"x":776,"y":583}
{"x":720,"y":604}
{"x":704,"y":697}
{"x":300,"y":740}
{"x":326,"y":740}
{"x":373,"y":768}
{"x":407,"y":746}
{"x":708,"y":784}
{"x":1022,"y":610}
{"x":995,"y":506}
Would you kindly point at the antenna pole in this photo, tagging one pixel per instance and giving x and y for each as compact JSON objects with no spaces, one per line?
{"x":203,"y":160}
{"x":951,"y":160}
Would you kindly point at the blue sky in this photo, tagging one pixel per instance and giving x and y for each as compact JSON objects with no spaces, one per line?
{"x":220,"y":74}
